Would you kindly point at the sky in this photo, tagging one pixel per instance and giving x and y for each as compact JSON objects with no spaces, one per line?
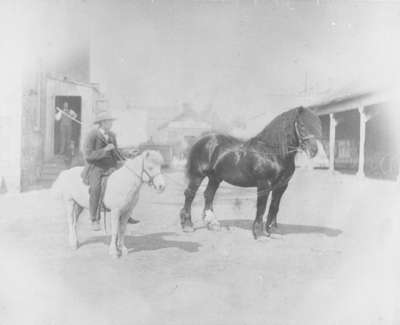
{"x":241,"y":58}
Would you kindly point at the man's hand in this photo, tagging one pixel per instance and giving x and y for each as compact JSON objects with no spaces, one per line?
{"x":109,"y":147}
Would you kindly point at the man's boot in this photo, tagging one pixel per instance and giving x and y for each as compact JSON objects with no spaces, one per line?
{"x":132,"y":221}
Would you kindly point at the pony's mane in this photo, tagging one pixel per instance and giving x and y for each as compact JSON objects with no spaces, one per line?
{"x":280,"y":132}
{"x":154,"y":156}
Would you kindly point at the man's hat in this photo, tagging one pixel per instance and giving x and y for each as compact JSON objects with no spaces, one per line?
{"x":103,"y":116}
{"x":102,"y":111}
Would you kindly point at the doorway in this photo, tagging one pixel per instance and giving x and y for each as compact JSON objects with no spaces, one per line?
{"x":74,"y":103}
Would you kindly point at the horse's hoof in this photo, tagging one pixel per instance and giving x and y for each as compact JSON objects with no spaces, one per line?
{"x":254,"y":232}
{"x":187,"y":228}
{"x":266,"y":233}
{"x":257,"y":227}
{"x":96,"y":226}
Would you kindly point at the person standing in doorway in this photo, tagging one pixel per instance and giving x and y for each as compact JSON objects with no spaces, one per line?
{"x":65,"y":117}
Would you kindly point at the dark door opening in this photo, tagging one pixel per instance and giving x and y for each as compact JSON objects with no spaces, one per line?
{"x":381,"y":153}
{"x":74,"y":103}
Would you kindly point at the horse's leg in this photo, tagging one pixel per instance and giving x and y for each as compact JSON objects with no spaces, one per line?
{"x":115,"y":224}
{"x":190,"y":193}
{"x":208,"y":212}
{"x":262,"y":198}
{"x":73,"y":212}
{"x":274,"y":208}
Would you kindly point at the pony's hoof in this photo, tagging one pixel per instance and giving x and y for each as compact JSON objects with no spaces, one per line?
{"x":214,"y":226}
{"x":114,"y":253}
{"x":74,"y":245}
{"x":187,"y":228}
{"x":124,"y":251}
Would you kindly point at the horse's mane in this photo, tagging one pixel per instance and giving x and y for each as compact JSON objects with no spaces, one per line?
{"x":279,"y":133}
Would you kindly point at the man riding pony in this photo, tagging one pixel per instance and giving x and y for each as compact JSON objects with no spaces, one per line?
{"x":102,"y":157}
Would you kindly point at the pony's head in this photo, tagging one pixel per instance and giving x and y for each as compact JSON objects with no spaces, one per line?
{"x":308,"y":131}
{"x":152,"y":163}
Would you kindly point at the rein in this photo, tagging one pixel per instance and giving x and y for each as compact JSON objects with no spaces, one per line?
{"x":144,"y":171}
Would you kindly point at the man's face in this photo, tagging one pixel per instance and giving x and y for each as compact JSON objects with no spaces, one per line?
{"x":107,"y":124}
{"x":65,"y":106}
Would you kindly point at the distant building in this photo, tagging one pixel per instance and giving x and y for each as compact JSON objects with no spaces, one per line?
{"x":182,"y":131}
{"x":156,"y":116}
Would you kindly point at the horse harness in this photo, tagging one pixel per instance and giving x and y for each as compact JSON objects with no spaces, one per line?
{"x":302,"y":139}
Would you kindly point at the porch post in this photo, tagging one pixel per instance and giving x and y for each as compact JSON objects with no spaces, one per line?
{"x":332,"y":136}
{"x":361,"y":152}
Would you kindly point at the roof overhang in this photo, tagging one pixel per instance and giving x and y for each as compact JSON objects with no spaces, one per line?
{"x":355,"y":101}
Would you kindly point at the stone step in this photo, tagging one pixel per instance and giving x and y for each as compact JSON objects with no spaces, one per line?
{"x":47,"y":177}
{"x":54,"y":168}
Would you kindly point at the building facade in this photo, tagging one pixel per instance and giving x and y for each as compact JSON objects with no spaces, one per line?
{"x":361,"y":133}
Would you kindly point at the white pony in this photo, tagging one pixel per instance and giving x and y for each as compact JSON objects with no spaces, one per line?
{"x":121,"y":195}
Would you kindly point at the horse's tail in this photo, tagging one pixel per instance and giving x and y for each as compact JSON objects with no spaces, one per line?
{"x":190,"y":163}
{"x":198,"y":158}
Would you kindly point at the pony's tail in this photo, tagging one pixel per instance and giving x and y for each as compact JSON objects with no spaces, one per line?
{"x":57,"y":187}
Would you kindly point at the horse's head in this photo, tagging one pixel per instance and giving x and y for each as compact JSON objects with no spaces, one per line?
{"x":152,"y":163}
{"x":308,"y":131}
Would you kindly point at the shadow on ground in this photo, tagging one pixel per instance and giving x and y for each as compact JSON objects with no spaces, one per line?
{"x":284,"y":229}
{"x":150,"y":242}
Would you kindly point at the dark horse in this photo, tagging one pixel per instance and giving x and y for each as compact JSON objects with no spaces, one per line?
{"x":266,"y":161}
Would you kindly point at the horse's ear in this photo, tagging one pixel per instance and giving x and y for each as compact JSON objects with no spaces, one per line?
{"x":300,"y":109}
{"x":147,"y":154}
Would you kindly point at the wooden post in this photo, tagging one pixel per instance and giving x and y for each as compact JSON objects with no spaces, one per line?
{"x":332,"y":136}
{"x":361,"y":152}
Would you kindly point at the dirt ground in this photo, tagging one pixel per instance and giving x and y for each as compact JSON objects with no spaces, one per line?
{"x":334,"y":260}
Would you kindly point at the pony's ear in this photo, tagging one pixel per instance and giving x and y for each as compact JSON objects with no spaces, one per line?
{"x":147,"y":154}
{"x":300,"y":109}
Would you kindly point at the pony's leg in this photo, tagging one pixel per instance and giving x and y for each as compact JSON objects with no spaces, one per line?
{"x":121,"y":235}
{"x":190,"y":193}
{"x":115,"y":224}
{"x":208,"y":212}
{"x":274,"y":208}
{"x":262,"y":198}
{"x":73,"y":212}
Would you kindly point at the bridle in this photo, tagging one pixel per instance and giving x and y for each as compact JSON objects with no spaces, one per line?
{"x":144,"y":171}
{"x":302,"y":139}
